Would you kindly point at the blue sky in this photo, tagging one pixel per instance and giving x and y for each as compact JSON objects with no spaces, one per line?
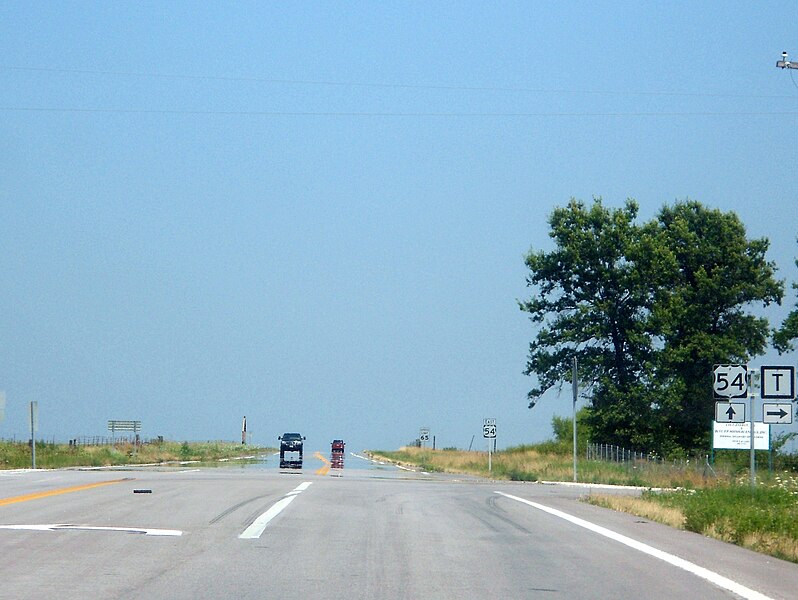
{"x":315,"y":214}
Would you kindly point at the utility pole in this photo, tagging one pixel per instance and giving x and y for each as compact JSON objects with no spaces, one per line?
{"x":575,"y":386}
{"x":785,"y":63}
{"x":34,"y":427}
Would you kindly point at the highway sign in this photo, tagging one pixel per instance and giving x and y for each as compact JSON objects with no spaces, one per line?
{"x":737,"y":436}
{"x":114,"y":426}
{"x":777,"y":413}
{"x":778,"y":383}
{"x":424,"y":434}
{"x":729,"y":381}
{"x":730,"y":412}
{"x":489,"y":431}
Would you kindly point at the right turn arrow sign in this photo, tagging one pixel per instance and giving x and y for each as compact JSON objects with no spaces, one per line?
{"x":777,"y":412}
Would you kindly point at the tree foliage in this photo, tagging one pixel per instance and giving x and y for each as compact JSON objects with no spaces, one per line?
{"x":784,"y":335}
{"x":646,"y":310}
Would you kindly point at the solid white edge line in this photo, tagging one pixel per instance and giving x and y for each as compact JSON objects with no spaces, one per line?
{"x":711,"y":576}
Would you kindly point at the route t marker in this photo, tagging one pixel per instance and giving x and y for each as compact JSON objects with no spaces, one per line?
{"x":778,"y":382}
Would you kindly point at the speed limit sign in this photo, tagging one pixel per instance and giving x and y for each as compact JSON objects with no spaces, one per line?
{"x":729,"y":381}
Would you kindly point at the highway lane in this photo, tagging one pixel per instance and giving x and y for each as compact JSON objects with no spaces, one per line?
{"x":367,"y":534}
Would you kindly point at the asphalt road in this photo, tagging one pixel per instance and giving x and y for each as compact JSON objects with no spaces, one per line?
{"x":374,"y":532}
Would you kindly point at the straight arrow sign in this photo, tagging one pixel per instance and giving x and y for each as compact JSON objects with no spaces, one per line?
{"x":730,"y":412}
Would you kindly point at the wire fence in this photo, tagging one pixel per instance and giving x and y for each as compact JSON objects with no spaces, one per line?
{"x":92,"y":440}
{"x":633,"y":459}
{"x":104,"y":440}
{"x":611,"y":453}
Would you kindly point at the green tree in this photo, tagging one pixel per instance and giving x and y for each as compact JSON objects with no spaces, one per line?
{"x":784,"y":335}
{"x":592,"y":301}
{"x":647,"y":310}
{"x":700,"y":315}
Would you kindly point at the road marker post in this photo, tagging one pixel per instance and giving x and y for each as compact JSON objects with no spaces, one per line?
{"x":489,"y":433}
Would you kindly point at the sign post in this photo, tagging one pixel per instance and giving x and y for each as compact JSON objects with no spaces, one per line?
{"x":575,"y":390}
{"x":489,"y":433}
{"x":753,"y":448}
{"x":34,"y":427}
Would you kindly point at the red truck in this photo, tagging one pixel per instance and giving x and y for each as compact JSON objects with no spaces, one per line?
{"x":337,"y":454}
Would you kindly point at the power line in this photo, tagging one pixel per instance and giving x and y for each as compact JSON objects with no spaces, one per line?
{"x":410,"y":86}
{"x":268,"y":113}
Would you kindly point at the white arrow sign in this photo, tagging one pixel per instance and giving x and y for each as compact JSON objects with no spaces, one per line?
{"x":730,"y":412}
{"x":777,"y":412}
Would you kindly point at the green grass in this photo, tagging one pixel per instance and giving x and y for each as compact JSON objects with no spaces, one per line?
{"x":764,"y":519}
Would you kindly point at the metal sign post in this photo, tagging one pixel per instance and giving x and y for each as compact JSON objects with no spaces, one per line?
{"x":489,"y":433}
{"x":753,"y":448}
{"x":575,"y":386}
{"x":34,"y":426}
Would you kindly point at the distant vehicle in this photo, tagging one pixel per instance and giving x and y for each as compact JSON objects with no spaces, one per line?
{"x":291,"y":449}
{"x":337,"y":454}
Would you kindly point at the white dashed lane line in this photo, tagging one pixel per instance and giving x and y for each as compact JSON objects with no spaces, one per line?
{"x":255,"y":530}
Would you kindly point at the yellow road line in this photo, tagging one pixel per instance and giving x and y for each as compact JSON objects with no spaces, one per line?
{"x":325,"y":469}
{"x":58,"y":492}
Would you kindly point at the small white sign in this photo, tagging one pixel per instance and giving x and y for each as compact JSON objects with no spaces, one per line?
{"x":778,"y":383}
{"x":489,"y":431}
{"x":488,"y":421}
{"x":730,"y":412}
{"x":737,"y":436}
{"x":777,"y":413}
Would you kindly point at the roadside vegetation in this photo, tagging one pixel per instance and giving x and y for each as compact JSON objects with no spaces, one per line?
{"x":547,"y":462}
{"x":764,"y":519}
{"x":17,"y":455}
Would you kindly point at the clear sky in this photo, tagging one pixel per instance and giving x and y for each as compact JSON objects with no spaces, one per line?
{"x":315,"y":214}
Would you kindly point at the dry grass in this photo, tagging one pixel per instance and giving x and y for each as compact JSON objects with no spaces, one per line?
{"x":772,"y":544}
{"x":14,"y":455}
{"x":640,"y":507}
{"x":527,"y":463}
